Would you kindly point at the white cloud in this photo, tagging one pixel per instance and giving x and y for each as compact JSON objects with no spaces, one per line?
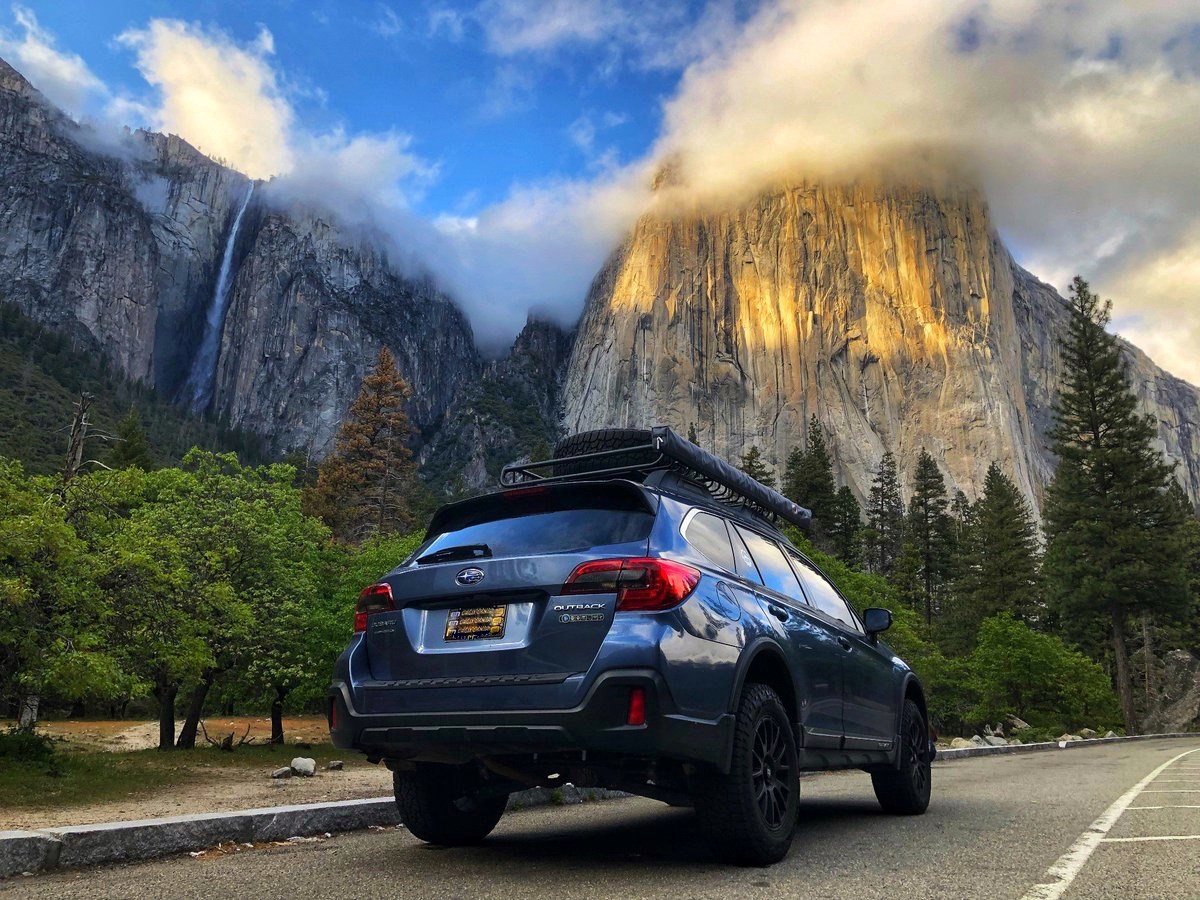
{"x":444,"y":20}
{"x":388,"y":24}
{"x":64,"y":78}
{"x":220,"y":96}
{"x":511,"y":90}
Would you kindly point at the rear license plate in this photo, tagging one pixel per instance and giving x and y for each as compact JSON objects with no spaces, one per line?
{"x":476,"y":623}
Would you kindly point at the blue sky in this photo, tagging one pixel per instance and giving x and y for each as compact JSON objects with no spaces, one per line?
{"x":486,"y":115}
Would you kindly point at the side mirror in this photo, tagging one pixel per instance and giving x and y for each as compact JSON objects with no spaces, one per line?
{"x":876,"y":620}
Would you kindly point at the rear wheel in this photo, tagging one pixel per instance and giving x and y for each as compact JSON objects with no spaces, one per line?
{"x":443,"y":805}
{"x":750,"y":813}
{"x":905,"y":791}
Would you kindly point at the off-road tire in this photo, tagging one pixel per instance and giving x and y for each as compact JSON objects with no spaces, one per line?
{"x":905,"y":791}
{"x":603,"y":439}
{"x":440,"y":805}
{"x":734,"y":810}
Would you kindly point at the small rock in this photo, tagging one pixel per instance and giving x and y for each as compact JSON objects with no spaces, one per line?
{"x":1017,"y":724}
{"x":1088,"y":733}
{"x":284,"y":772}
{"x":304,"y":766}
{"x":335,"y":765}
{"x":960,"y":744}
{"x":1111,"y":734}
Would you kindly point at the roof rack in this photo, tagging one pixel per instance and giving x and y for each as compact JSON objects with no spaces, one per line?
{"x":665,"y":451}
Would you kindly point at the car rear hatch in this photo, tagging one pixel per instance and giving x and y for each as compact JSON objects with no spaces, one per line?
{"x":480,"y":602}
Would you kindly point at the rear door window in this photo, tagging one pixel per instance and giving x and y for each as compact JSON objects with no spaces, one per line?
{"x":707,"y":533}
{"x":823,"y":595}
{"x":776,"y":573}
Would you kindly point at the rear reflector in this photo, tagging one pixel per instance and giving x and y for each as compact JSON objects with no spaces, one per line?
{"x":374,"y":599}
{"x":644,"y":585}
{"x":637,"y":707}
{"x":332,"y":714}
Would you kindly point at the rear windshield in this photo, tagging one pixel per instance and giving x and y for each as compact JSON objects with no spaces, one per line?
{"x":557,"y":520}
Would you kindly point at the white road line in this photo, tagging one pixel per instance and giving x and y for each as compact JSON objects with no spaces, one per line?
{"x":1060,"y":875}
{"x":1181,"y":806}
{"x":1161,"y":837}
{"x":1174,"y":791}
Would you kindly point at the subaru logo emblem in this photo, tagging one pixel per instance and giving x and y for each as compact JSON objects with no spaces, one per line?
{"x":469,"y":576}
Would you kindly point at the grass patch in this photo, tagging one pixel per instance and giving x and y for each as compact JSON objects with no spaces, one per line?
{"x":77,"y":777}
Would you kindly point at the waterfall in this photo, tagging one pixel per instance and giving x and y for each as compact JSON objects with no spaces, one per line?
{"x":199,"y":386}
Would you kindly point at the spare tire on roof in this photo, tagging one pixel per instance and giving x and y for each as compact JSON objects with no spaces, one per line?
{"x":600,"y":440}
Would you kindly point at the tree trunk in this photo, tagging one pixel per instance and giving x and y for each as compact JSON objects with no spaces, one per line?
{"x":277,"y":715}
{"x":1124,"y":683}
{"x":191,"y":722}
{"x":28,"y":717}
{"x":78,"y":710}
{"x":165,"y":694}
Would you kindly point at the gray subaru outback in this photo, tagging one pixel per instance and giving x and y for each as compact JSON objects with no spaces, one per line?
{"x":626,"y":615}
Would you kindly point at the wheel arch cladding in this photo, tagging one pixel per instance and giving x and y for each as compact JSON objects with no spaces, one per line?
{"x":765,"y":664}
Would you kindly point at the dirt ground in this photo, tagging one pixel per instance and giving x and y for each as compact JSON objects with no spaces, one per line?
{"x":204,"y":786}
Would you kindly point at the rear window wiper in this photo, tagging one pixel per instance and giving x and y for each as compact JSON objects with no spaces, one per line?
{"x":448,"y":554}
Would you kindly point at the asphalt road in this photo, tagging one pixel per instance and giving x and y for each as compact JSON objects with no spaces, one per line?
{"x":994,"y":829}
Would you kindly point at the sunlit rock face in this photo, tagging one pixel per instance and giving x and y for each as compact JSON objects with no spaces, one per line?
{"x":895,"y":314}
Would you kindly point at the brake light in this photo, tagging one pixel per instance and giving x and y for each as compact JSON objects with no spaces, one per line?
{"x":374,"y":599}
{"x":646,"y":585}
{"x":525,"y":492}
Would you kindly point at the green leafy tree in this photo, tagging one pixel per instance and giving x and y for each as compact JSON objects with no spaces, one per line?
{"x":131,"y":447}
{"x":884,"y":533}
{"x":999,"y":561}
{"x":1036,"y":676}
{"x":929,"y":531}
{"x":753,"y":465}
{"x":1114,"y":537}
{"x":365,"y":486}
{"x":845,"y":527}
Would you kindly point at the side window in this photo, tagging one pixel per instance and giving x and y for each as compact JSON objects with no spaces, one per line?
{"x":776,"y":573}
{"x":823,"y":595}
{"x":708,"y":535}
{"x":745,"y":562}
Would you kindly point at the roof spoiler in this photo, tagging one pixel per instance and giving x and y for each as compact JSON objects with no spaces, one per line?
{"x":666,"y":451}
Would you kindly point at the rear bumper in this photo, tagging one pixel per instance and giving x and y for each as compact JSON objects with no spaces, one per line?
{"x":597,"y":725}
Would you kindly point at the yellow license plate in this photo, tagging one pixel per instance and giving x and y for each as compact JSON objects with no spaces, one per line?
{"x":476,"y":623}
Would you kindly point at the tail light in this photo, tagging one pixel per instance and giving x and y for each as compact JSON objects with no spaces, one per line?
{"x":637,"y":707}
{"x":374,"y":599}
{"x":647,"y":585}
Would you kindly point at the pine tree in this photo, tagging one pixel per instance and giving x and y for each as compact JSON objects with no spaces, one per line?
{"x":1114,"y":534}
{"x":752,"y":464}
{"x":885,"y":518}
{"x":929,"y":530}
{"x":365,"y":486}
{"x":692,"y":436}
{"x":131,"y":448}
{"x":999,"y":556}
{"x":845,"y":527}
{"x":808,"y":477}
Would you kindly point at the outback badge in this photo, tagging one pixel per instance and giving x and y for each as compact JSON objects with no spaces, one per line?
{"x":469,"y":576}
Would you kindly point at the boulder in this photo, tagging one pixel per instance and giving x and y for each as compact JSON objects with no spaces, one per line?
{"x":1177,"y":706}
{"x":1111,"y":734}
{"x":1069,"y":737}
{"x":1017,"y":724}
{"x":960,"y":744}
{"x":304,"y":766}
{"x":994,"y":740}
{"x":282,"y":772}
{"x":977,"y":741}
{"x":987,"y":731}
{"x":335,"y":765}
{"x":1088,"y":733}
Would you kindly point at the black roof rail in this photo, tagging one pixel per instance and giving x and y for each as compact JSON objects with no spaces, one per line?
{"x":666,"y":450}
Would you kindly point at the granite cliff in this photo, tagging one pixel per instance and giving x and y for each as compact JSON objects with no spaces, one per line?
{"x":893,"y":313}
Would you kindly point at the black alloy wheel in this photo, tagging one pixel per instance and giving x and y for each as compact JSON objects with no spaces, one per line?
{"x":905,"y":789}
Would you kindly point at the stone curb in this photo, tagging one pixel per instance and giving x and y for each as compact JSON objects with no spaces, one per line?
{"x":81,"y":845}
{"x":964,"y":752}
